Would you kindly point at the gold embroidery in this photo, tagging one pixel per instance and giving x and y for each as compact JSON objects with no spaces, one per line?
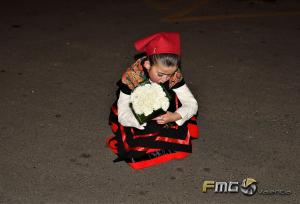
{"x":176,"y":78}
{"x":134,"y":75}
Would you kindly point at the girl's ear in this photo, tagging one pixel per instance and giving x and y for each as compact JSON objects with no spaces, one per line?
{"x":147,"y":64}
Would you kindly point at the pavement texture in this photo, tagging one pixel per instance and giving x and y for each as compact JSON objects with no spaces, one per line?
{"x":60,"y":61}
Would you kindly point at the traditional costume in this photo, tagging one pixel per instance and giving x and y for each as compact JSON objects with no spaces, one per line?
{"x":151,"y":143}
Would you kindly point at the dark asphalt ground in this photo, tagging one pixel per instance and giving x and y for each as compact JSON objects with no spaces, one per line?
{"x":59,"y":64}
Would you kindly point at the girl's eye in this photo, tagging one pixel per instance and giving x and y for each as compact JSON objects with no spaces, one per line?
{"x":160,"y":75}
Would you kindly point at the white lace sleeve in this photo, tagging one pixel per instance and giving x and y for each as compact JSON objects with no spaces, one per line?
{"x":189,"y":104}
{"x":125,"y":114}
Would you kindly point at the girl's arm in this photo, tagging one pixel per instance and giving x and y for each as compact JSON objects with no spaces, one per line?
{"x":189,"y":104}
{"x":125,"y":114}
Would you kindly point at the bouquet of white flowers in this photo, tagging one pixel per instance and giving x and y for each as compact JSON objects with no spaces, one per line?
{"x":148,"y":101}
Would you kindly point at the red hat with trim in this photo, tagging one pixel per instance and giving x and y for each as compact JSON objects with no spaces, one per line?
{"x":158,"y":43}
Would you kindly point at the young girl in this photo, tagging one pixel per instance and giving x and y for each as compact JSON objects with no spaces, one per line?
{"x":154,"y":142}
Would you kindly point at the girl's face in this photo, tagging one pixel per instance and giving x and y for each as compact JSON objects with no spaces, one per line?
{"x":159,"y":73}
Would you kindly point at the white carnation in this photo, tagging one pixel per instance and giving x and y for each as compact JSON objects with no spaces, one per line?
{"x":148,"y":98}
{"x":165,"y":104}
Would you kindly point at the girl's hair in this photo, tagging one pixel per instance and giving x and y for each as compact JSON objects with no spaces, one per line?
{"x":166,"y":59}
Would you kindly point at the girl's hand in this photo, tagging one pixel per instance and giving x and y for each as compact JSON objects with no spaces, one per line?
{"x":168,"y":117}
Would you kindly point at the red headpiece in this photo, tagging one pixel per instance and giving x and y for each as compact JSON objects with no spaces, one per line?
{"x":163,"y":42}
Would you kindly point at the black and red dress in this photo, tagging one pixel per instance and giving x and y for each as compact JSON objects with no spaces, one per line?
{"x":156,"y":143}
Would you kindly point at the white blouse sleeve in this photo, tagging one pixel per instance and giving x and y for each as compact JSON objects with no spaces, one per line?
{"x":189,"y":104}
{"x":125,"y":114}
